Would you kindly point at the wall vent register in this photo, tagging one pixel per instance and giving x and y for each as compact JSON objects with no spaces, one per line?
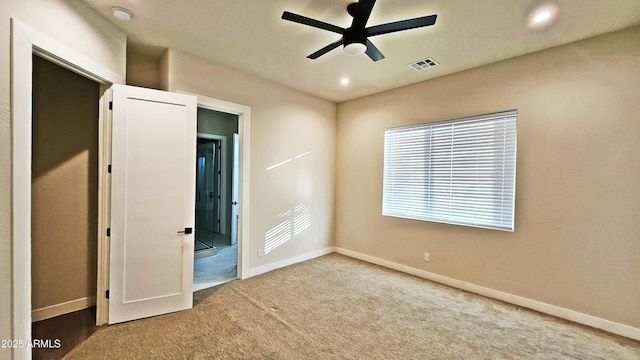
{"x":422,"y":64}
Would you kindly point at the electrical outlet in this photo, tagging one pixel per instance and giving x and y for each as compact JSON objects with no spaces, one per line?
{"x":427,"y":257}
{"x":260,"y":252}
{"x":315,"y":239}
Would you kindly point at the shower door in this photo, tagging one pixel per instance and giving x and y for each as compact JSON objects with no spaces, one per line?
{"x":207,"y":194}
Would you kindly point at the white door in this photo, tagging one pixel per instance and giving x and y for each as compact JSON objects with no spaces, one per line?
{"x":152,"y":202}
{"x":235,"y":180}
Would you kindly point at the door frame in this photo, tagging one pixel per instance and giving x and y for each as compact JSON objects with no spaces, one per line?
{"x":244,"y":131}
{"x":25,"y":42}
{"x":223,"y":181}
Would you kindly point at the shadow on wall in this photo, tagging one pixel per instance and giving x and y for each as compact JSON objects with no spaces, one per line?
{"x":291,"y":222}
{"x":294,"y":222}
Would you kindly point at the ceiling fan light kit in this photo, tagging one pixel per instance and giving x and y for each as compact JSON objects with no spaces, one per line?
{"x":355,"y":48}
{"x":355,"y":39}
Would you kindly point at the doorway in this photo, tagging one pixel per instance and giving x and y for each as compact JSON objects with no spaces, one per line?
{"x":64,"y":205}
{"x":25,"y":41}
{"x":216,"y":249}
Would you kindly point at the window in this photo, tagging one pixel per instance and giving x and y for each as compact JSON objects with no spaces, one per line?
{"x":457,"y":171}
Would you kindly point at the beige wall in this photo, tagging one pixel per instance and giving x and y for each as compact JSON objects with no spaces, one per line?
{"x":284,"y":124}
{"x":577,"y":230}
{"x":64,"y":187}
{"x":70,"y":23}
{"x":142,"y":70}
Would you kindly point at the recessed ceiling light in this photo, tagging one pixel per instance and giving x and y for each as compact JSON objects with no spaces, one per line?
{"x":121,"y":13}
{"x":344,"y":81}
{"x":542,"y":16}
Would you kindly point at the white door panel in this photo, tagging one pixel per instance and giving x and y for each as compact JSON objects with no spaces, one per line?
{"x":152,"y":199}
{"x":235,"y":189}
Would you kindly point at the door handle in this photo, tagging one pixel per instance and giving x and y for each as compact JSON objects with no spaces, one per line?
{"x":186,"y":231}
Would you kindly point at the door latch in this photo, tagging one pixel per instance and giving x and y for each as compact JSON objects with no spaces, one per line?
{"x":186,"y":231}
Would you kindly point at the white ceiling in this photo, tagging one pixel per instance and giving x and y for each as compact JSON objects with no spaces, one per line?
{"x":249,"y":35}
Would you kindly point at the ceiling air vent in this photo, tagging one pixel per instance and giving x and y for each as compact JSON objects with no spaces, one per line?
{"x":423,"y":64}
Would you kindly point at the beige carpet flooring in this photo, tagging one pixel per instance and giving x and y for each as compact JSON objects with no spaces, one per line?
{"x":334,"y":307}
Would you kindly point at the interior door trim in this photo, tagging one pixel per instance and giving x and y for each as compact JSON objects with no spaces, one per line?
{"x":244,"y":131}
{"x":25,"y":41}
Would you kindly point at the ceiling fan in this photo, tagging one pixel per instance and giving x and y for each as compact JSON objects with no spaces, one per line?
{"x":355,"y":38}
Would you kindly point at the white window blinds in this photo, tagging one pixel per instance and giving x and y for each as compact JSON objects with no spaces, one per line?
{"x":458,"y":171}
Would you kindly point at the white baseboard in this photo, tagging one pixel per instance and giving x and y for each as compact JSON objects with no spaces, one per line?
{"x":286,"y":262}
{"x":61,"y":309}
{"x":580,"y":318}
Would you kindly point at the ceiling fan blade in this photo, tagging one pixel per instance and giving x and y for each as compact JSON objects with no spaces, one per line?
{"x":326,"y":49}
{"x":311,"y":22}
{"x":373,"y":52}
{"x":360,"y":12}
{"x":402,"y":25}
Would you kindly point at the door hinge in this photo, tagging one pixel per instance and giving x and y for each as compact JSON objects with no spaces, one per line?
{"x":110,"y":105}
{"x":106,"y":294}
{"x":108,"y":231}
{"x":109,"y":168}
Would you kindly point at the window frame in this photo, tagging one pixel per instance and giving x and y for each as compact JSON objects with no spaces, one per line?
{"x":403,"y":199}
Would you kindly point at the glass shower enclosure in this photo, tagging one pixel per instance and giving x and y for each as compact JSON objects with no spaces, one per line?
{"x":208,"y":199}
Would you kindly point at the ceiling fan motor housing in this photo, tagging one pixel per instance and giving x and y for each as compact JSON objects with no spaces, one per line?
{"x":355,"y":41}
{"x":356,"y":10}
{"x":352,"y":35}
